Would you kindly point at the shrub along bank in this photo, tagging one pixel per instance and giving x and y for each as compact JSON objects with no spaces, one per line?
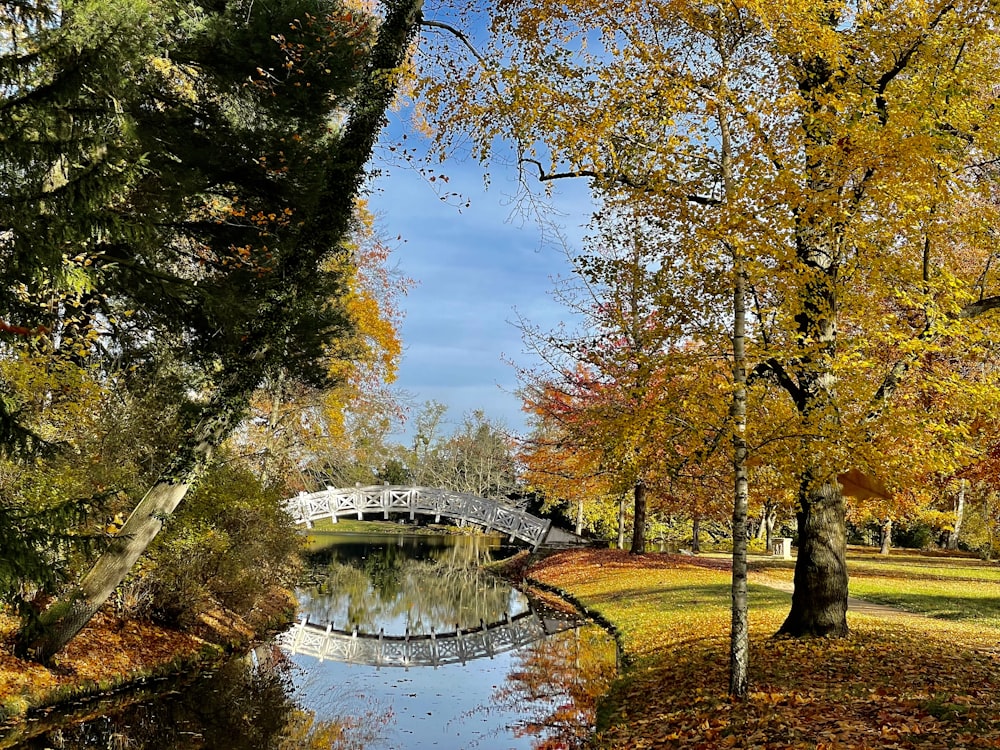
{"x":218,"y":577}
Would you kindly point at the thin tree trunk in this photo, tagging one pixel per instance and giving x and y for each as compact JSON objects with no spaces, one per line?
{"x":886,"y":537}
{"x":770,"y":518}
{"x":639,"y":519}
{"x":959,"y":515}
{"x":579,"y":518}
{"x":621,"y":522}
{"x":739,"y":632}
{"x":819,"y":601}
{"x":696,"y":535}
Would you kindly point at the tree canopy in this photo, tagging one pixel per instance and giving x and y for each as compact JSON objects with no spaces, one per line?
{"x":843,"y":152}
{"x":181,"y":180}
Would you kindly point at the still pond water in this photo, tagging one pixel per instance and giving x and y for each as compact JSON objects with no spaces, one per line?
{"x":463,"y":661}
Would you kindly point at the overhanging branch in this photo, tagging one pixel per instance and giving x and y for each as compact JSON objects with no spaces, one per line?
{"x":774,"y":371}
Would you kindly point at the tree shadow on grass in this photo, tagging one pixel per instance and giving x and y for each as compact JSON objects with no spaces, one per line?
{"x":888,"y":685}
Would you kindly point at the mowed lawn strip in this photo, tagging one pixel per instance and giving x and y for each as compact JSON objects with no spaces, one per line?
{"x":908,"y":682}
{"x":945,"y":587}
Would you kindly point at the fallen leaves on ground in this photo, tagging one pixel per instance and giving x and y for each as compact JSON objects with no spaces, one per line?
{"x":107,"y":651}
{"x":110,"y":650}
{"x":909,"y":682}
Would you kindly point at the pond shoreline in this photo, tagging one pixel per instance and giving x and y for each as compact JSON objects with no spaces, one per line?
{"x":125,"y":662}
{"x":113,"y":657}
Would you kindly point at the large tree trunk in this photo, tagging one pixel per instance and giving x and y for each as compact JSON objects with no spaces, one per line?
{"x":639,"y":519}
{"x":886,"y":537}
{"x":819,"y":601}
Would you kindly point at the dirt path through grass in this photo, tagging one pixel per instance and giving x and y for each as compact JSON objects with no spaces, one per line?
{"x":854,"y":605}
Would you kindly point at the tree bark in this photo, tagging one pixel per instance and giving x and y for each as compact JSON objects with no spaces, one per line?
{"x":886,"y":537}
{"x":739,"y":633}
{"x":696,"y":535}
{"x":639,"y":519}
{"x":959,"y":514}
{"x":819,"y":601}
{"x":621,"y":522}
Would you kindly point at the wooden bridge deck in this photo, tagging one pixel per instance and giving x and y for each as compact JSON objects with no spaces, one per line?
{"x":428,"y":501}
{"x":423,"y":650}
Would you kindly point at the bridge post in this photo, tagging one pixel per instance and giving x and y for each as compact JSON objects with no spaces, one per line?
{"x":542,"y":537}
{"x":304,"y":514}
{"x":331,"y":504}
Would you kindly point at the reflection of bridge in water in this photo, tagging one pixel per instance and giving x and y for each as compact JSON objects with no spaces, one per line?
{"x":424,"y":650}
{"x":427,"y":501}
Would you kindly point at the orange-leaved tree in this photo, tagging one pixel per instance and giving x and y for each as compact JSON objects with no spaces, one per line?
{"x":629,"y":388}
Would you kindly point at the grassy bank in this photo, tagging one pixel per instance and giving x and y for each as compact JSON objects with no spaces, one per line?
{"x":110,"y":653}
{"x":904,"y":682}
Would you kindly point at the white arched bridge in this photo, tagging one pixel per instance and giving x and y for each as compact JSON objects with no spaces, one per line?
{"x":462,"y":507}
{"x":424,"y":650}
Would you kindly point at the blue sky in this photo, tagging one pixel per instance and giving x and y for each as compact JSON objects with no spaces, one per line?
{"x":476,"y":269}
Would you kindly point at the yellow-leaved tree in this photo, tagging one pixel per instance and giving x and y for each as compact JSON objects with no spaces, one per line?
{"x":832,"y":161}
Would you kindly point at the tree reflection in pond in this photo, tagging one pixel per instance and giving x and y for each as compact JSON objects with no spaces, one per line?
{"x":239,"y":706}
{"x":560,"y":681}
{"x":411,"y":584}
{"x":513,"y":699}
{"x":542,"y":697}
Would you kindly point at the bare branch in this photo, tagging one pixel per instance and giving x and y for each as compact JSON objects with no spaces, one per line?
{"x":608,"y":176}
{"x":974,"y":309}
{"x":458,"y":34}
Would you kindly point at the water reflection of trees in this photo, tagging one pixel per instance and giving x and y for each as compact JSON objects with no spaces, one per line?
{"x":240,"y":706}
{"x":436,"y":588}
{"x":558,"y":681}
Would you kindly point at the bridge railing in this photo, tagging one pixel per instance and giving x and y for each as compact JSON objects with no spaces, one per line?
{"x":431,"y":501}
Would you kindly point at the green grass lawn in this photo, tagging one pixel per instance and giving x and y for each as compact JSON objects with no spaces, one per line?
{"x":940,"y":586}
{"x":904,"y":682}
